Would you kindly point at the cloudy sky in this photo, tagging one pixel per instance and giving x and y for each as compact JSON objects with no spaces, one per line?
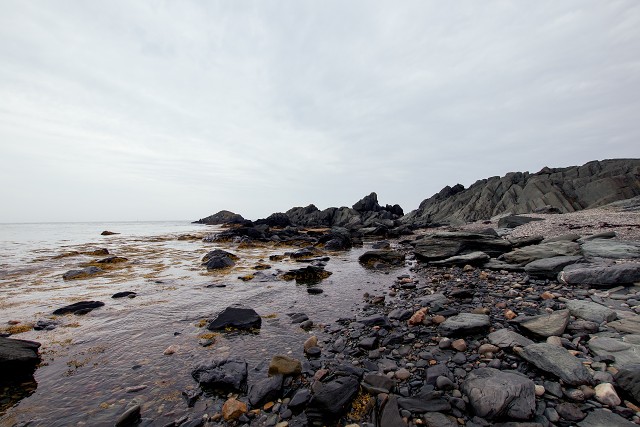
{"x":154,"y":110}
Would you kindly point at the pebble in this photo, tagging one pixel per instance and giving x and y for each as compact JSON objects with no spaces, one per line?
{"x":459,"y":345}
{"x":171,"y":350}
{"x":402,"y":374}
{"x":606,"y":394}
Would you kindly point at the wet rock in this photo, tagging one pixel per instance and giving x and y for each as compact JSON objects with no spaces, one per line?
{"x":443,"y":245}
{"x":233,"y":409}
{"x":237,"y":317}
{"x":390,"y":416}
{"x":311,"y":342}
{"x":108,"y":233}
{"x":606,"y":394}
{"x":265,"y":390}
{"x":505,"y":338}
{"x":591,"y":311}
{"x":546,"y":325}
{"x":548,"y":268}
{"x":222,"y":217}
{"x":464,"y":324}
{"x":284,"y":365}
{"x":628,"y":379}
{"x":600,"y":275}
{"x":420,"y":405}
{"x":218,"y":260}
{"x":18,"y":358}
{"x":45,"y":325}
{"x":222,"y":374}
{"x":298,"y":317}
{"x":602,"y":417}
{"x":376,"y":383}
{"x":130,"y":417}
{"x":557,"y":361}
{"x":381,"y":258}
{"x":112,"y":260}
{"x":125,"y":294}
{"x":331,"y":400}
{"x":299,"y":400}
{"x":375,"y":320}
{"x":81,"y":274}
{"x":308,"y":274}
{"x":436,"y":419}
{"x":570,"y":411}
{"x":82,"y":307}
{"x":493,"y":393}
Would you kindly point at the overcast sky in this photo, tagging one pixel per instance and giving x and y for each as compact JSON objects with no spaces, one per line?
{"x":151,"y":110}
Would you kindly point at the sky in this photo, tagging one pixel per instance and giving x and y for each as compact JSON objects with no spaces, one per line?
{"x":172,"y":110}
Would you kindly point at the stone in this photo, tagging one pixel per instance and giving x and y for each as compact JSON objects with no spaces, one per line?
{"x":332,"y":399}
{"x":125,"y":294}
{"x":402,"y":374}
{"x":470,"y":259}
{"x":375,"y":320}
{"x":459,"y":345}
{"x":557,"y":361}
{"x":418,"y":317}
{"x":377,"y":383}
{"x":591,"y":311}
{"x":570,"y":411}
{"x":79,"y":308}
{"x":436,"y":419}
{"x":513,"y":221}
{"x":613,"y":249}
{"x":222,"y":217}
{"x":628,"y":379}
{"x":546,"y":325}
{"x":18,"y":358}
{"x":172,"y":349}
{"x":299,"y":400}
{"x":444,"y":383}
{"x":630,"y":325}
{"x":285,"y":365}
{"x":602,"y":417}
{"x":548,"y":268}
{"x":82,"y":273}
{"x":108,"y":233}
{"x":312,"y":341}
{"x":605,"y":276}
{"x":265,"y":390}
{"x":385,"y":258}
{"x":606,"y":394}
{"x":218,"y":259}
{"x":233,"y":409}
{"x":624,"y":352}
{"x":464,"y":324}
{"x":443,"y":245}
{"x":421,"y":405}
{"x":129,"y":417}
{"x":539,"y":390}
{"x":310,"y":274}
{"x":528,"y":254}
{"x":236,"y":317}
{"x":493,"y":393}
{"x":488,"y":348}
{"x":222,"y":374}
{"x":390,"y":414}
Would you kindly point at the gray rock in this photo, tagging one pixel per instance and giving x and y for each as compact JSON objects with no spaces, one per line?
{"x":300,"y":399}
{"x":614,"y":249}
{"x":546,"y":325}
{"x":265,"y":390}
{"x":442,"y":245}
{"x":549,"y":268}
{"x":331,"y":400}
{"x":630,"y":325}
{"x":464,"y":324}
{"x":600,"y":275}
{"x":625,"y":352}
{"x":493,"y":393}
{"x":235,"y":317}
{"x":591,"y":311}
{"x":390,"y":416}
{"x":436,"y":419}
{"x":570,"y":411}
{"x":505,"y":338}
{"x":82,"y":273}
{"x":377,"y":383}
{"x":129,"y":417}
{"x":628,"y":379}
{"x":437,"y":298}
{"x":472,"y":258}
{"x":569,"y":237}
{"x":602,"y":417}
{"x":222,"y":374}
{"x":528,"y":254}
{"x":557,"y":361}
{"x":18,"y":358}
{"x":422,"y":405}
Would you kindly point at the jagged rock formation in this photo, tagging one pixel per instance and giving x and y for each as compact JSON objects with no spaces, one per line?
{"x":561,"y":190}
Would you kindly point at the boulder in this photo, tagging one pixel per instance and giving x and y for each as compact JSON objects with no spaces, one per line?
{"x":124,"y":294}
{"x":108,"y":233}
{"x":222,"y":217}
{"x":600,"y":275}
{"x":277,"y":219}
{"x":390,"y":413}
{"x":367,"y":204}
{"x":548,"y":268}
{"x":381,"y":258}
{"x":284,"y":365}
{"x":557,"y":361}
{"x":308,"y":274}
{"x":265,"y":390}
{"x":332,"y":399}
{"x":602,"y":417}
{"x":545,"y":325}
{"x":222,"y":374}
{"x":493,"y":394}
{"x":505,"y":338}
{"x":420,"y":405}
{"x":626,"y":351}
{"x":216,"y":253}
{"x":464,"y":324}
{"x":219,"y":259}
{"x":528,"y":254}
{"x":376,"y":383}
{"x":18,"y":358}
{"x":237,"y":317}
{"x":628,"y":379}
{"x":614,"y":249}
{"x":591,"y":311}
{"x":82,"y":307}
{"x":82,"y":273}
{"x":443,"y":245}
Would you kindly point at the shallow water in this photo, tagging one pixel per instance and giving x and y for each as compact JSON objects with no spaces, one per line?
{"x":90,"y":360}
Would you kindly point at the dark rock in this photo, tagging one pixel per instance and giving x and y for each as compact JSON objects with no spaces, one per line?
{"x":624,"y":352}
{"x":628,"y":379}
{"x":382,"y":258}
{"x":222,"y":374}
{"x":45,"y":325}
{"x":331,"y":400}
{"x":124,"y":294}
{"x":112,"y":260}
{"x":308,"y":274}
{"x":600,"y":275}
{"x":570,"y":411}
{"x":298,"y":317}
{"x":443,"y":245}
{"x":436,"y":371}
{"x":436,"y":419}
{"x":557,"y":361}
{"x":265,"y":390}
{"x":493,"y":393}
{"x":519,"y":242}
{"x":367,"y":204}
{"x":368,"y":343}
{"x":299,"y":400}
{"x":630,"y":325}
{"x":376,"y":383}
{"x":545,"y":325}
{"x":548,"y":268}
{"x":421,"y":405}
{"x":130,"y":417}
{"x":277,"y":219}
{"x":81,"y":274}
{"x":513,"y":221}
{"x":217,"y":260}
{"x":218,"y":253}
{"x":375,"y":320}
{"x":601,"y":418}
{"x":18,"y":358}
{"x":464,"y":324}
{"x":381,"y":245}
{"x":222,"y":217}
{"x":390,"y":414}
{"x":82,"y":307}
{"x":314,"y":291}
{"x":235,"y":317}
{"x":505,"y":338}
{"x":108,"y":233}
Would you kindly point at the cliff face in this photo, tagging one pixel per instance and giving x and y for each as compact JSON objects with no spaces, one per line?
{"x":561,"y":190}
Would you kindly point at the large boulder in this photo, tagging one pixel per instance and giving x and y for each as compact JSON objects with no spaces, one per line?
{"x":265,"y":390}
{"x":222,"y":374}
{"x":557,"y":361}
{"x":626,"y":351}
{"x":236,"y":317}
{"x":222,"y":217}
{"x":493,"y":394}
{"x":513,"y":221}
{"x":331,"y":400}
{"x":18,"y":358}
{"x":219,"y":259}
{"x":601,"y":275}
{"x":548,"y":268}
{"x":443,"y":245}
{"x":545,"y":325}
{"x":528,"y":254}
{"x":367,"y":204}
{"x":591,"y":311}
{"x":614,"y":249}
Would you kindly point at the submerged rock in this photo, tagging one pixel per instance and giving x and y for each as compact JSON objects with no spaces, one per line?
{"x":82,"y":307}
{"x":222,"y":374}
{"x":237,"y":317}
{"x":81,"y":274}
{"x":381,"y":258}
{"x":308,"y":274}
{"x":18,"y":358}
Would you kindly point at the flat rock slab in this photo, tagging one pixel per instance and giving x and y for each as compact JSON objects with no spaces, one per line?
{"x":630,"y":325}
{"x":235,"y":317}
{"x":439,"y":246}
{"x":82,"y":307}
{"x":546,"y":325}
{"x":82,"y":273}
{"x":505,"y":338}
{"x":528,"y":254}
{"x":604,"y":248}
{"x":625,"y":350}
{"x":549,"y":268}
{"x":473,"y":258}
{"x":628,"y":379}
{"x":421,"y":405}
{"x":493,"y":393}
{"x":600,"y":275}
{"x":557,"y":361}
{"x":602,"y":417}
{"x":18,"y":358}
{"x":591,"y":311}
{"x":222,"y":374}
{"x":464,"y":324}
{"x":384,"y":257}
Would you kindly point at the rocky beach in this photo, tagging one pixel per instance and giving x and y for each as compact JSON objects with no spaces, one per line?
{"x":514,"y":302}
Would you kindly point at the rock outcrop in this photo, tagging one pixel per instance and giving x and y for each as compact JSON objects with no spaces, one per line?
{"x":560,"y":190}
{"x":222,"y":217}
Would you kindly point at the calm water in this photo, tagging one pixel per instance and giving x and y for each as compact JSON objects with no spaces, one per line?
{"x":90,"y":360}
